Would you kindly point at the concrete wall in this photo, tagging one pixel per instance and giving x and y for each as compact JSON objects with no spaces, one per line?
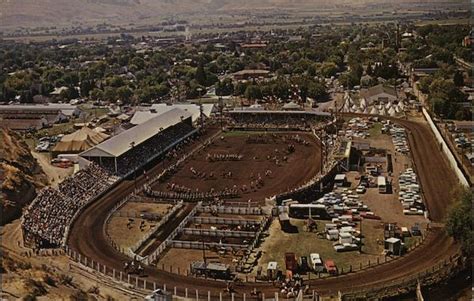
{"x":452,"y":160}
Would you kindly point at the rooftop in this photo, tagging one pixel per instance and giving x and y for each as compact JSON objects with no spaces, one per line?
{"x":118,"y":145}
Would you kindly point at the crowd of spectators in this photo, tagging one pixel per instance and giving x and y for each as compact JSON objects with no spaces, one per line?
{"x":46,"y":219}
{"x":269,"y":121}
{"x":150,"y":149}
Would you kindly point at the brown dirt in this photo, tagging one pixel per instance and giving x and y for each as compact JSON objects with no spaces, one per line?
{"x":305,"y":160}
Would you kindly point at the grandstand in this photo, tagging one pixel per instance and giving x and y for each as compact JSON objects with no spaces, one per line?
{"x":122,"y":154}
{"x":275,"y":120}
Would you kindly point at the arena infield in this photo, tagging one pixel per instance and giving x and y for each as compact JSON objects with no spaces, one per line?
{"x":264,"y":156}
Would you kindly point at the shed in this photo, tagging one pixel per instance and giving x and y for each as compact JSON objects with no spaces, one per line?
{"x":272,"y":270}
{"x":393,"y":245}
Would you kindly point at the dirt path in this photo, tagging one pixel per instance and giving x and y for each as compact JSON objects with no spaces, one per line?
{"x":55,"y":174}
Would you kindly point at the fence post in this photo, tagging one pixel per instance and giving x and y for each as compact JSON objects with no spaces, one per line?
{"x":164,"y":287}
{"x":276,"y":296}
{"x":113,"y":274}
{"x":245,"y":299}
{"x":144,"y":284}
{"x":186,"y":292}
{"x":136,"y":282}
{"x":154,"y":286}
{"x":209,"y":296}
{"x":220,"y":296}
{"x":197,"y":295}
{"x":174,"y":291}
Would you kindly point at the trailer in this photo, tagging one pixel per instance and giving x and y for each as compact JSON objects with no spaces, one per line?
{"x":211,"y":270}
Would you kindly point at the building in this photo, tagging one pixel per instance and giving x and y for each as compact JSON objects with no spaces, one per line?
{"x":251,"y":74}
{"x":146,"y":113}
{"x":253,"y":46}
{"x":379,"y":94}
{"x":149,"y":139}
{"x":27,"y":116}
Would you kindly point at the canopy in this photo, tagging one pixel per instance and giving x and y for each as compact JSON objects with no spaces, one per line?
{"x":79,"y":141}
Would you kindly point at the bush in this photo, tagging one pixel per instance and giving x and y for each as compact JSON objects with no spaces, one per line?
{"x":459,"y":221}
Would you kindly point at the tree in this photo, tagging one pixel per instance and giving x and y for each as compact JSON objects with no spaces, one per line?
{"x":328,"y":69}
{"x":200,"y":75}
{"x":124,"y":93}
{"x":225,"y":87}
{"x":96,"y":94}
{"x":460,"y":220}
{"x":253,"y":92}
{"x":458,"y":79}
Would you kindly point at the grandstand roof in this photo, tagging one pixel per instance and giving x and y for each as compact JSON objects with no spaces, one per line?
{"x":118,"y":145}
{"x":158,"y":109}
{"x":316,"y":113}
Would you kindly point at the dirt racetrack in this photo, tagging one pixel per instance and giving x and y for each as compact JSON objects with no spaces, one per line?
{"x":257,"y":158}
{"x":437,"y":179}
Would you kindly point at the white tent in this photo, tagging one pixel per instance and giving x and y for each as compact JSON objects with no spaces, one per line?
{"x":383,"y":111}
{"x":363,"y":103}
{"x":391,"y":111}
{"x":374,"y":111}
{"x":401,"y":105}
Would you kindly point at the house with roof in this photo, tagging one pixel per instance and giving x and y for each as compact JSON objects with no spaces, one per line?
{"x":379,"y":94}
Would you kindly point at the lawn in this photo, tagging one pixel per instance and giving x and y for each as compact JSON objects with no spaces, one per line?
{"x":375,"y":130}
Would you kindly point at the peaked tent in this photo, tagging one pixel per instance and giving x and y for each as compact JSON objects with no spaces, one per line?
{"x":79,"y":141}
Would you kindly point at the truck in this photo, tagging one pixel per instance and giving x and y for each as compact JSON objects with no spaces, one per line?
{"x":330,"y":267}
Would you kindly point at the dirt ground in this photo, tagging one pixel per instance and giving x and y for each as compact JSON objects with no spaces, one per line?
{"x":303,"y":243}
{"x":55,"y":174}
{"x":302,"y":165}
{"x":128,"y":236}
{"x":387,"y":206}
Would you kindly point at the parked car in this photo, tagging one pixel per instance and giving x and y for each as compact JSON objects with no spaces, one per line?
{"x":330,"y":267}
{"x":42,"y":147}
{"x":360,"y":189}
{"x":304,"y":267}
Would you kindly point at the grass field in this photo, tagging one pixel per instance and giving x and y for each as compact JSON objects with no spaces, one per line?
{"x":375,"y":130}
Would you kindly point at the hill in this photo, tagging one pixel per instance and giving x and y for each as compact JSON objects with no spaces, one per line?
{"x":33,"y":13}
{"x":20,"y":175}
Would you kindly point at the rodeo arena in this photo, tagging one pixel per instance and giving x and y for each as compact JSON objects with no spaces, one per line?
{"x":254,"y":205}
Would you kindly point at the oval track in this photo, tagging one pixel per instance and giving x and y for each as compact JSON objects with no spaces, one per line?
{"x":87,"y":235}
